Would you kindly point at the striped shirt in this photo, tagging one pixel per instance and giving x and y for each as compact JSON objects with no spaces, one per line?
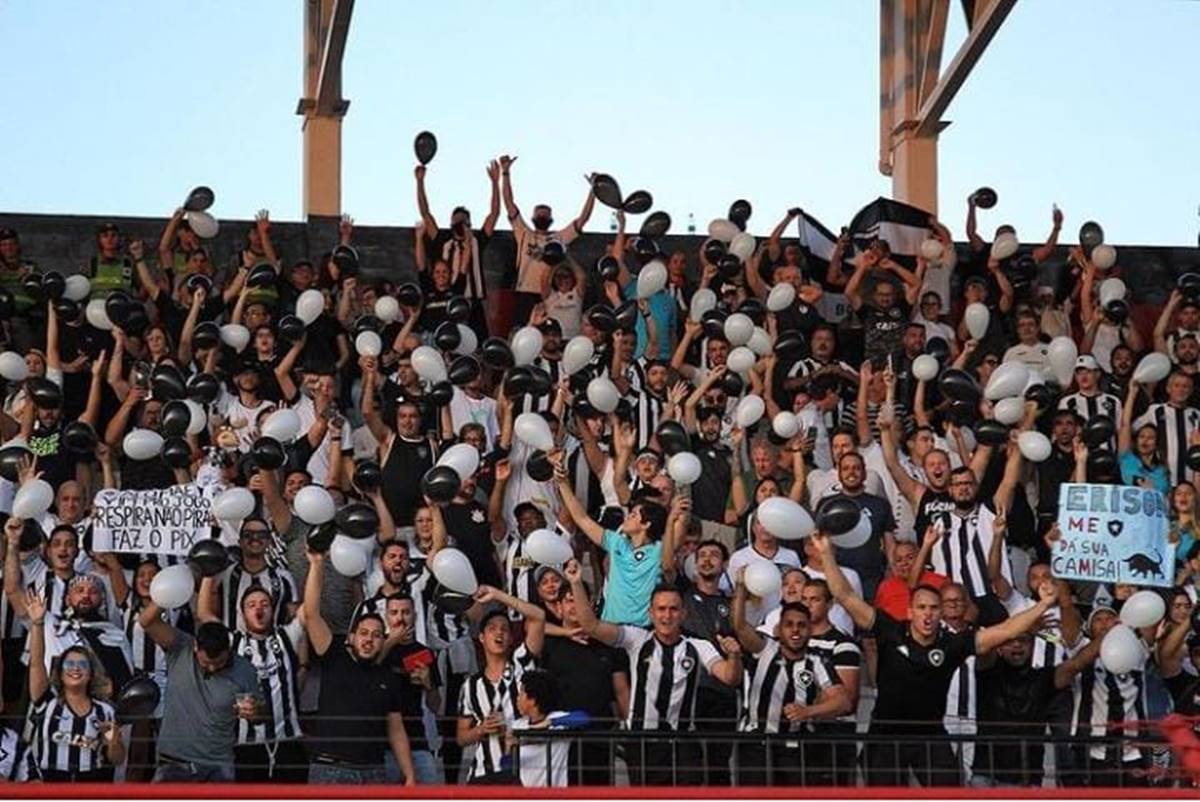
{"x":68,"y":743}
{"x":840,"y":651}
{"x":17,"y":764}
{"x":237,"y":580}
{"x":542,"y":403}
{"x":780,"y":681}
{"x":468,"y":265}
{"x":1175,"y":426}
{"x":275,"y":661}
{"x":961,"y":699}
{"x":647,"y":414}
{"x":664,"y":678}
{"x":1104,"y":697}
{"x":1089,"y":406}
{"x":148,"y":657}
{"x":962,"y":553}
{"x":480,"y":697}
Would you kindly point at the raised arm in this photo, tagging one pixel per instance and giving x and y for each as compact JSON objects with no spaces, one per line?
{"x":156,"y":628}
{"x":319,"y":635}
{"x":493,"y":174}
{"x":283,"y":371}
{"x":53,"y":359}
{"x":909,"y":487}
{"x":995,"y":562}
{"x":1163,"y":324}
{"x":976,"y":241}
{"x":12,"y":566}
{"x":91,"y":413}
{"x":1008,"y":483}
{"x":989,"y":638}
{"x":1125,"y":432}
{"x":1064,"y":673}
{"x":39,"y":680}
{"x":506,"y":191}
{"x":751,"y":639}
{"x":189,"y":327}
{"x":166,"y":243}
{"x":593,"y":530}
{"x":854,"y":285}
{"x":430,"y":225}
{"x":1046,"y":250}
{"x":774,"y":246}
{"x":862,"y":613}
{"x":600,"y":630}
{"x":534,"y":615}
{"x":589,"y":203}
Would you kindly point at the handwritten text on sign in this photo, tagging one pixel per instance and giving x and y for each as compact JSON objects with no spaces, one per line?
{"x":1112,"y":534}
{"x":152,"y":521}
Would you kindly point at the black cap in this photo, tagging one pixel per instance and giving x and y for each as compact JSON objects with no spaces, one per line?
{"x":8,"y":233}
{"x":550,"y":325}
{"x":105,"y":227}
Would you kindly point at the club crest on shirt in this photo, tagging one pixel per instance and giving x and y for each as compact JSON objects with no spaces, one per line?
{"x":639,"y":555}
{"x":802,"y":677}
{"x":723,"y":610}
{"x":477,"y":516}
{"x":936,"y":657}
{"x":687,"y":664}
{"x":422,"y":452}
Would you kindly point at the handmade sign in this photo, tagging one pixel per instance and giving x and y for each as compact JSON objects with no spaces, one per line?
{"x":1112,"y":533}
{"x":164,"y":521}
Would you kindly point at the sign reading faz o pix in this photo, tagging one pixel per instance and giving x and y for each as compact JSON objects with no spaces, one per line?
{"x":1113,"y":533}
{"x":164,"y":521}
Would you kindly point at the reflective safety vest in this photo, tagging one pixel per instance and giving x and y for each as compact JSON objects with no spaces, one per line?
{"x":109,"y":276}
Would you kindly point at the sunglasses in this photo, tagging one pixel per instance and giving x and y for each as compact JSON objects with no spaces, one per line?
{"x":255,"y":534}
{"x":77,"y":663}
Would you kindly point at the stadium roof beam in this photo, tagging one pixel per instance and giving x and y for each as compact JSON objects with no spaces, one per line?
{"x":913,"y":94}
{"x":326,"y":26}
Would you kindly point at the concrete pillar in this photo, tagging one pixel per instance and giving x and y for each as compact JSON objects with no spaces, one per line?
{"x":322,"y":183}
{"x":915,"y":169}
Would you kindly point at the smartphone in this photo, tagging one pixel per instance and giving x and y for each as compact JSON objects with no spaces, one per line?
{"x":417,"y":660}
{"x":812,"y":434}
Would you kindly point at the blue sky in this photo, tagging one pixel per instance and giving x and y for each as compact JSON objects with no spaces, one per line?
{"x":119,"y":107}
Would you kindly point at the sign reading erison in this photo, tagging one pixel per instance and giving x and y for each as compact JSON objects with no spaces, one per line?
{"x":1112,"y":533}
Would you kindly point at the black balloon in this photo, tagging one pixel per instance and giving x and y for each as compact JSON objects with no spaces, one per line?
{"x":208,"y":557}
{"x":714,"y":323}
{"x":1040,"y":394}
{"x":174,"y":418}
{"x":753,"y":309}
{"x":714,"y":249}
{"x":119,"y":306}
{"x":320,"y":538}
{"x":67,"y":310}
{"x":638,"y":202}
{"x":496,"y":353}
{"x":367,"y":322}
{"x":358,"y":520}
{"x":137,"y":322}
{"x":1102,"y":465}
{"x":539,"y":467}
{"x":261,"y":275}
{"x":79,"y":437}
{"x":10,"y":461}
{"x":790,"y":345}
{"x":1091,"y":235}
{"x":409,"y":294}
{"x":627,"y":315}
{"x":441,"y":393}
{"x":739,"y":213}
{"x":198,"y":281}
{"x":268,"y":453}
{"x":368,"y":476}
{"x":673,"y":438}
{"x":291,"y":328}
{"x":518,"y":381}
{"x":602,"y":318}
{"x":32,"y":536}
{"x":346,"y":259}
{"x":440,"y":483}
{"x":463,"y":370}
{"x":45,"y":393}
{"x":176,"y":452}
{"x":959,"y":385}
{"x":962,"y":413}
{"x":203,"y":388}
{"x":553,"y":253}
{"x":1193,"y":458}
{"x":425,"y":147}
{"x":938,"y":348}
{"x":167,"y":383}
{"x":732,"y":384}
{"x":991,"y":433}
{"x":458,"y":309}
{"x":837,"y":516}
{"x":607,"y":190}
{"x":1098,"y":431}
{"x":985,"y":197}
{"x":53,"y":285}
{"x":138,"y":698}
{"x":729,"y":266}
{"x":608,"y":267}
{"x":7,"y":304}
{"x":447,"y":336}
{"x":452,"y":602}
{"x":207,"y":335}
{"x":540,"y":383}
{"x":1117,"y":311}
{"x":32,"y":284}
{"x":655,"y":225}
{"x":645,"y":249}
{"x":1189,"y":285}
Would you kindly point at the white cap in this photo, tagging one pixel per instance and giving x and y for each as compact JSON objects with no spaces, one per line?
{"x":1087,"y":362}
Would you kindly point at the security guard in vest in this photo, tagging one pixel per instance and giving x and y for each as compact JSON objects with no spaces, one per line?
{"x":108,"y":270}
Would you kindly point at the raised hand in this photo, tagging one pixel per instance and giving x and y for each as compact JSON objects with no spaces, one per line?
{"x":493,"y":170}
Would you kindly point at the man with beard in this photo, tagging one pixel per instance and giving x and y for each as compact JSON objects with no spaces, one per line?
{"x":912,"y":345}
{"x":269,"y":749}
{"x":710,"y":493}
{"x":916,"y":663}
{"x":549,"y":360}
{"x":1187,"y":324}
{"x":884,"y":317}
{"x":360,"y":710}
{"x":415,"y":665}
{"x":867,"y":559}
{"x":530,"y":242}
{"x":390,"y":577}
{"x":844,"y":655}
{"x":404,"y":454}
{"x":462,"y":248}
{"x":713,"y":352}
{"x":1058,"y":467}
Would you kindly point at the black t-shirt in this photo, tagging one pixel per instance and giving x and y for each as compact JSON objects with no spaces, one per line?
{"x":712,"y":488}
{"x":433,"y":310}
{"x":406,"y":463}
{"x":799,"y":317}
{"x":320,"y":344}
{"x":868,"y":559}
{"x":403,"y":660}
{"x":472,"y":532}
{"x":914,"y":679}
{"x":706,"y":616}
{"x":1051,"y":473}
{"x":351,"y":720}
{"x":883,"y":328}
{"x":1185,"y":691}
{"x":584,"y":674}
{"x":1012,"y":701}
{"x":53,"y":460}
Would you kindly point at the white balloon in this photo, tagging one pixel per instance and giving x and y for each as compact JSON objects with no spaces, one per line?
{"x":1104,"y":256}
{"x":1007,"y":380}
{"x":740,"y":359}
{"x":1009,"y":410}
{"x":468,"y":342}
{"x":858,"y":536}
{"x":684,"y":468}
{"x":784,"y":518}
{"x":785,"y":424}
{"x":749,"y":411}
{"x":1034,"y":446}
{"x":387,"y":309}
{"x":532,"y":429}
{"x":763,"y":579}
{"x":464,"y":457}
{"x":314,"y":505}
{"x":172,"y":587}
{"x":742,"y":245}
{"x":603,"y":394}
{"x":282,"y":424}
{"x":452,"y":569}
{"x":310,"y":305}
{"x":723,"y":230}
{"x":578,"y":354}
{"x":546,"y":547}
{"x":367,"y":343}
{"x":32,"y":499}
{"x":1154,"y":367}
{"x":428,"y":364}
{"x":977,"y":317}
{"x":142,"y":444}
{"x":780,"y":297}
{"x":932,"y":249}
{"x":203,"y":224}
{"x":232,"y":505}
{"x":199,"y":418}
{"x":235,"y":335}
{"x":739,"y":328}
{"x":1143,"y":609}
{"x":1111,"y":289}
{"x":925,"y":367}
{"x":13,"y":367}
{"x":651,"y":279}
{"x":703,"y":300}
{"x":97,"y":315}
{"x":349,"y":558}
{"x":1005,"y":246}
{"x":760,"y":342}
{"x":77,"y":288}
{"x":1121,"y":651}
{"x":1062,"y":354}
{"x":526,"y":345}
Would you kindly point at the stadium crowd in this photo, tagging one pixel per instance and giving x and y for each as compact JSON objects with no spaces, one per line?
{"x":739,"y":515}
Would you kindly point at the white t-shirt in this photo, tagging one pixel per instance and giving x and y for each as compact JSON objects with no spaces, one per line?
{"x":320,"y":461}
{"x":464,"y":410}
{"x":242,"y":418}
{"x":937,"y":276}
{"x":530,"y":267}
{"x":567,"y":309}
{"x":783,"y":558}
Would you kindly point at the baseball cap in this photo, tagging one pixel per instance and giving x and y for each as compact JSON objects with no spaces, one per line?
{"x":550,"y":325}
{"x":542,"y":570}
{"x":1097,"y":610}
{"x":106,"y":227}
{"x":8,"y":233}
{"x":647,"y":451}
{"x":1087,"y":362}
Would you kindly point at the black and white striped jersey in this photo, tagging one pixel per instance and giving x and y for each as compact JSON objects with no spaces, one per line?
{"x":840,"y":651}
{"x":663,"y":678}
{"x":779,"y":681}
{"x":480,"y":697}
{"x":1175,"y":426}
{"x":236,"y":580}
{"x":278,"y":668}
{"x":67,"y":742}
{"x":1089,"y":406}
{"x":962,"y":553}
{"x":17,"y":764}
{"x":1102,"y":697}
